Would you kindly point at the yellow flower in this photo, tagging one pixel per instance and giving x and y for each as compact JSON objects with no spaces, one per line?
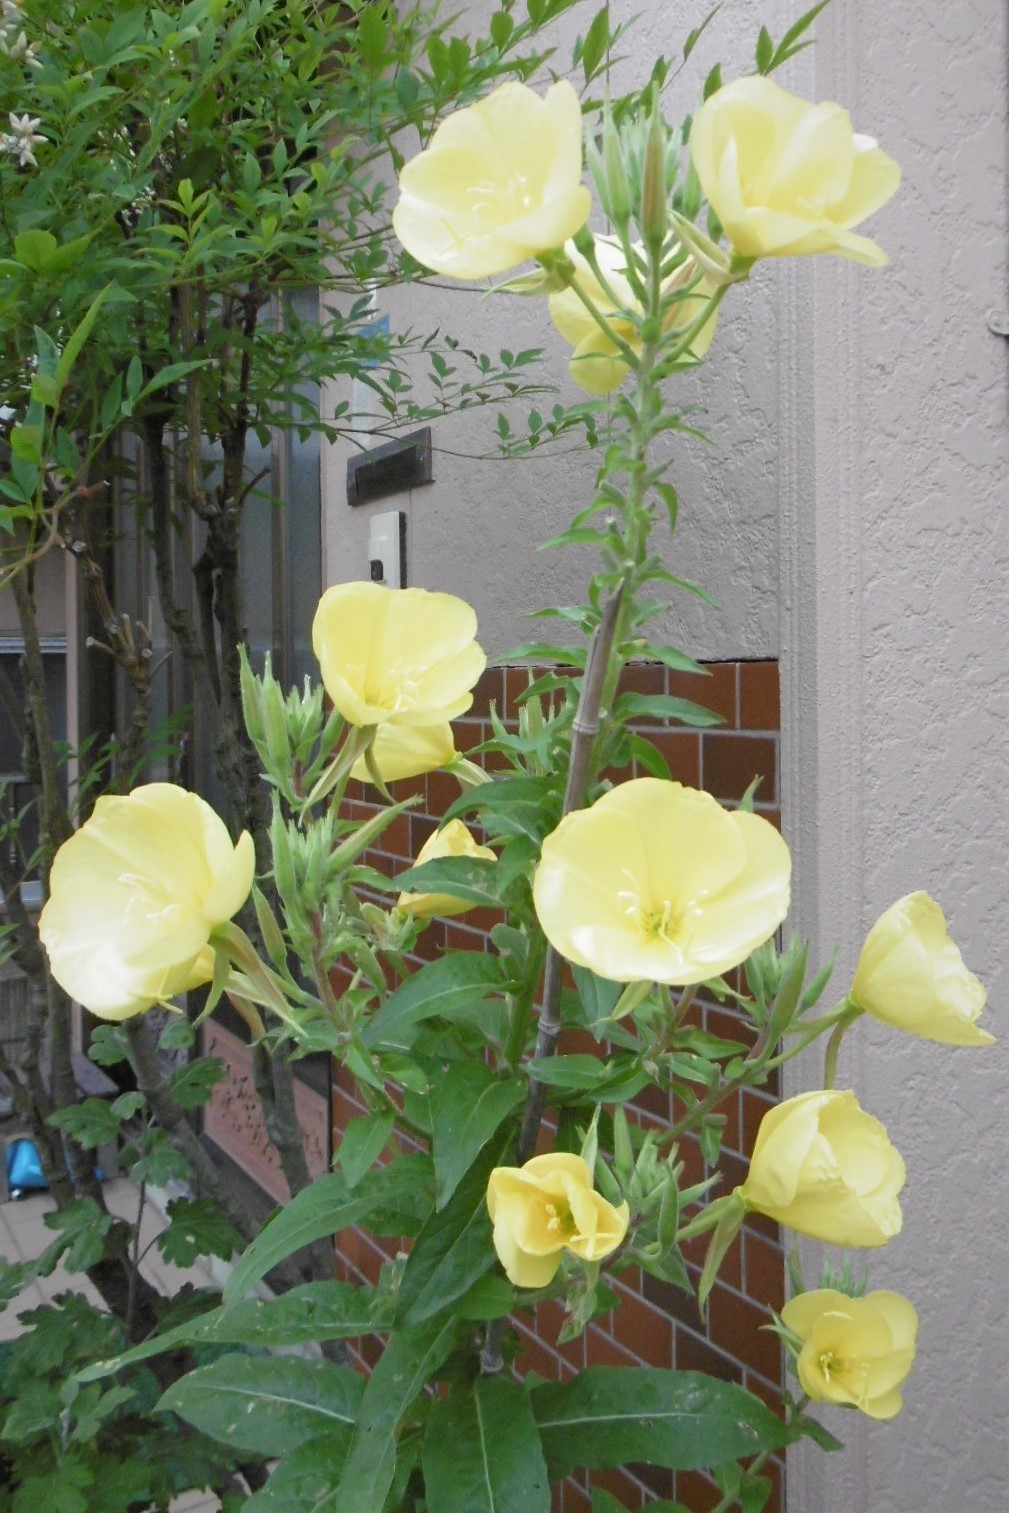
{"x":855,"y":1351}
{"x":787,"y":178}
{"x":824,"y":1167}
{"x":397,"y":655}
{"x":499,"y":183}
{"x":407,"y":751}
{"x":659,"y":883}
{"x":545,"y":1207}
{"x":135,"y":895}
{"x":452,"y":839}
{"x":911,"y":975}
{"x":596,"y":364}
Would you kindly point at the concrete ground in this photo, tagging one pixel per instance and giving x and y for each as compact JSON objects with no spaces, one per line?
{"x":23,"y":1236}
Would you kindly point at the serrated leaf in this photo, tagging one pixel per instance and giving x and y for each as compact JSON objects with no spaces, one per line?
{"x":266,"y":1404}
{"x":482,"y":1452}
{"x":196,"y":1228}
{"x":609,"y":1416}
{"x":469,"y":1104}
{"x":193,"y":1083}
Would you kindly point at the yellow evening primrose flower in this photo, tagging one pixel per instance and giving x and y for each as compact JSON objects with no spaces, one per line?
{"x":824,"y":1167}
{"x":452,"y":839}
{"x":407,"y":751}
{"x":135,"y":895}
{"x":911,"y":975}
{"x":499,"y":183}
{"x":401,"y":656}
{"x":597,"y":365}
{"x":855,"y":1351}
{"x":787,"y":178}
{"x":545,"y":1207}
{"x":659,"y":883}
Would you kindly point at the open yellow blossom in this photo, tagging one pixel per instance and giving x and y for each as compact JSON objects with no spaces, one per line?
{"x":135,"y":895}
{"x":911,"y":975}
{"x":407,"y":751}
{"x":787,"y":178}
{"x":545,"y":1207}
{"x":597,"y":365}
{"x":500,"y":182}
{"x":452,"y":839}
{"x":659,"y":883}
{"x":855,"y":1351}
{"x":824,"y":1167}
{"x":401,"y":656}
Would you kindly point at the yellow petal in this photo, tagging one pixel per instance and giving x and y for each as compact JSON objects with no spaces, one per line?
{"x":452,"y":839}
{"x":787,"y":178}
{"x":407,"y":751}
{"x":624,"y":888}
{"x":911,"y":975}
{"x":499,"y":182}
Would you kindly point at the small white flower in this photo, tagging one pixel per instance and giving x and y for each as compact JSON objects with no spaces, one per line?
{"x":20,"y":50}
{"x":22,"y":138}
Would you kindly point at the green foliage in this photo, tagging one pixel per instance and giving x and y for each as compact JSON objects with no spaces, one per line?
{"x":482,"y":1451}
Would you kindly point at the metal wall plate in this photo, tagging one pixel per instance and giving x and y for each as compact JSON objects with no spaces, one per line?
{"x":391,"y":468}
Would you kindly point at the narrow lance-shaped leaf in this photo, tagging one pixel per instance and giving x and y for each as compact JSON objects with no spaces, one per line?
{"x":611,"y":1416}
{"x":482,"y":1452}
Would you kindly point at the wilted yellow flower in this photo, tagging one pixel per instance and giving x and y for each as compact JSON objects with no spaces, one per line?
{"x":500,"y":182}
{"x":596,"y":364}
{"x":824,"y":1167}
{"x":786,"y":178}
{"x":452,"y":839}
{"x":855,"y":1351}
{"x":407,"y":751}
{"x":911,"y":975}
{"x":401,"y":656}
{"x":545,"y":1207}
{"x":135,"y":895}
{"x":659,"y":883}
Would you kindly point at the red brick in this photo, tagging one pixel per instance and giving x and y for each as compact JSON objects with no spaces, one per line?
{"x":763,"y":1270}
{"x":716,"y":692}
{"x":759,"y":697}
{"x":729,"y":763}
{"x":735,"y":1326}
{"x":681,"y":750}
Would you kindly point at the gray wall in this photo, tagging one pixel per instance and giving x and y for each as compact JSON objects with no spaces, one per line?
{"x":895,"y":604}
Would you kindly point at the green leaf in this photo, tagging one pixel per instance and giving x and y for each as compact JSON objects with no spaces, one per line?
{"x":482,"y":1452}
{"x":611,"y":1415}
{"x":305,"y":1481}
{"x":312,"y":1313}
{"x":597,"y":40}
{"x":196,"y":1228}
{"x":361,"y":1144}
{"x":765,"y":51}
{"x":193,"y":1083}
{"x":408,"y":1362}
{"x":577,"y":1071}
{"x":267,"y":1404}
{"x":664,"y":706}
{"x":77,"y":338}
{"x":473,"y":879}
{"x":454,"y":1248}
{"x":319,"y":1211}
{"x":439,"y":988}
{"x":91,"y":1123}
{"x":787,"y":46}
{"x":468,"y":1105}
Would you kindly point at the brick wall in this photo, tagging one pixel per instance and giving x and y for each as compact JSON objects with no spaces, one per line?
{"x":657,"y":1325}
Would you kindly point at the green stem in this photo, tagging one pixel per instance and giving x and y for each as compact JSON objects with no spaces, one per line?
{"x":522,"y":1004}
{"x":833,"y":1050}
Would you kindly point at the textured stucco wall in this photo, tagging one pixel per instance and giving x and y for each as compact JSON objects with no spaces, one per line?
{"x":895,"y":605}
{"x":475,"y":530}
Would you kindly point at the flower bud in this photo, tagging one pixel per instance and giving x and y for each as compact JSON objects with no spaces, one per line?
{"x":654,"y":218}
